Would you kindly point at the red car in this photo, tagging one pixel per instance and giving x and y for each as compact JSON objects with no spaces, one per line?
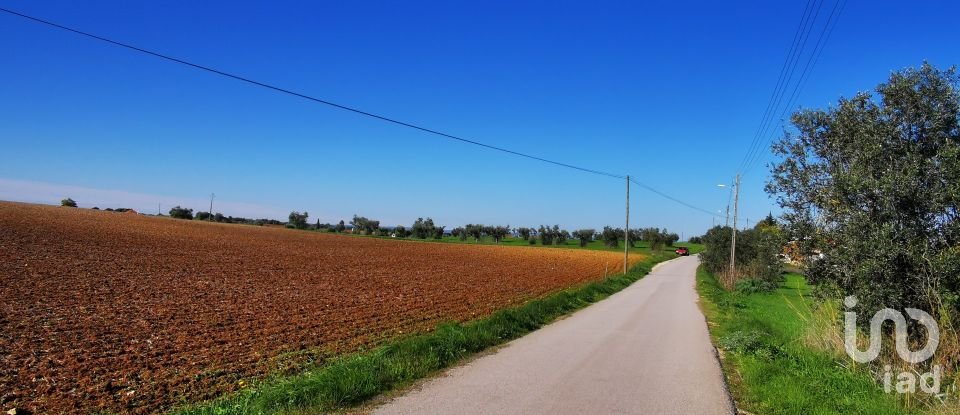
{"x":682,"y":251}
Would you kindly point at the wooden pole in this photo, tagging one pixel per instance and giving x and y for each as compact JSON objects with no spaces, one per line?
{"x":626,"y":230}
{"x":733,"y":238}
{"x":211,"y":207}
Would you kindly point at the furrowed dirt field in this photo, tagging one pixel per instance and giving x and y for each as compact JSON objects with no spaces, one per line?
{"x":134,"y":314}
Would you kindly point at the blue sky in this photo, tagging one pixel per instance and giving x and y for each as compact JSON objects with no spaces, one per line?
{"x":669,"y":92}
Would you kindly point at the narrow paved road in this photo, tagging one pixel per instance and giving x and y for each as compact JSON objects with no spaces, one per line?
{"x":644,"y":350}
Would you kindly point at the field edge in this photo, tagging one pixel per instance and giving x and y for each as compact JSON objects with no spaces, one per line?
{"x":354,"y":379}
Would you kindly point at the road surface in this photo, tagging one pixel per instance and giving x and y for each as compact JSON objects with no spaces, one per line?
{"x":644,"y":350}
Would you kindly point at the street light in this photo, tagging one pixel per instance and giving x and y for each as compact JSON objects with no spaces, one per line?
{"x":723,"y":185}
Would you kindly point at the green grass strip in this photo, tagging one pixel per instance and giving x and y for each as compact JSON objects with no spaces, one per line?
{"x":769,"y":368}
{"x":353,"y":379}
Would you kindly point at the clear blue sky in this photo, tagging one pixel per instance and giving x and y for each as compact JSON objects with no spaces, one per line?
{"x":670,"y":92}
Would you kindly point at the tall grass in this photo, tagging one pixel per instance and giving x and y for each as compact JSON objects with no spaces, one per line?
{"x":351,"y":380}
{"x":824,"y":332}
{"x":771,"y":370}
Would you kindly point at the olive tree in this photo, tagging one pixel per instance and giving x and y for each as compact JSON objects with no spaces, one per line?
{"x":297,"y":220}
{"x":497,"y":232}
{"x":611,"y":236}
{"x":178,"y":212}
{"x":870,"y":187}
{"x":423,"y":229}
{"x":585,"y":236}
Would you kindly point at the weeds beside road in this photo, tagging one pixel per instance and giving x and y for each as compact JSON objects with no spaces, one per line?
{"x":769,"y":367}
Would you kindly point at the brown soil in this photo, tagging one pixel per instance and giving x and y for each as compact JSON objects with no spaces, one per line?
{"x":136,"y":314}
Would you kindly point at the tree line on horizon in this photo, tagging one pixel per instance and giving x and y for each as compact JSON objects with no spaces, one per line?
{"x":422,"y":228}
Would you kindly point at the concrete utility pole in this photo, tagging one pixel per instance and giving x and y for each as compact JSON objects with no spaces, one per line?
{"x":733,"y":238}
{"x":626,"y":230}
{"x":727,"y":223}
{"x":211,"y":206}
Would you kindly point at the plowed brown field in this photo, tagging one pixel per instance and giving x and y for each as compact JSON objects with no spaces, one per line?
{"x":134,"y":314}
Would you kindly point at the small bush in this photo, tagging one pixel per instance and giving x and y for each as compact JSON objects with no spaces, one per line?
{"x":744,"y":342}
{"x":68,"y":202}
{"x":753,"y":286}
{"x":178,"y":212}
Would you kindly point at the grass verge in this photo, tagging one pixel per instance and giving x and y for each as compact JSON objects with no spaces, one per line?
{"x":768,"y":366}
{"x":353,"y":379}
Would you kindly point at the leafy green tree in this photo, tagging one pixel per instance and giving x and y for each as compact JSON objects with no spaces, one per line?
{"x":560,"y":236}
{"x":870,"y":189}
{"x":716,"y":256}
{"x":364,"y":226}
{"x":585,"y":236}
{"x":68,"y":202}
{"x":178,"y":212}
{"x":497,"y":232}
{"x":298,"y":219}
{"x":524,"y":233}
{"x":670,"y":238}
{"x":766,"y":222}
{"x":423,"y":229}
{"x":340,"y":227}
{"x":546,"y":235}
{"x":401,"y":232}
{"x":202,"y":216}
{"x":611,"y":236}
{"x":438,"y":232}
{"x":475,"y":231}
{"x":460,"y":233}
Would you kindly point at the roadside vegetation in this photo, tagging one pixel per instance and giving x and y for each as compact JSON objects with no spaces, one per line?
{"x":870,"y":190}
{"x":354,"y":379}
{"x":770,"y":367}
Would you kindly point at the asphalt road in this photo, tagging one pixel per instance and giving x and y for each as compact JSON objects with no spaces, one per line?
{"x":644,"y":350}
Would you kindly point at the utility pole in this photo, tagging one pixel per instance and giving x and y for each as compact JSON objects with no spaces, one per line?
{"x":727,"y":223}
{"x":158,"y":208}
{"x":733,"y":238}
{"x":626,"y":230}
{"x":211,"y":206}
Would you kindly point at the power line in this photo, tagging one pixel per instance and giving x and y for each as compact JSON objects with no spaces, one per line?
{"x":781,"y":80}
{"x":811,"y":63}
{"x":799,"y":43}
{"x":672,"y":198}
{"x":345,"y":107}
{"x":308,"y":97}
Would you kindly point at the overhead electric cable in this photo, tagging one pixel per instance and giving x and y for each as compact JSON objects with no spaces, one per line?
{"x":772,"y":103}
{"x":344,"y":107}
{"x":811,"y":63}
{"x":807,"y":23}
